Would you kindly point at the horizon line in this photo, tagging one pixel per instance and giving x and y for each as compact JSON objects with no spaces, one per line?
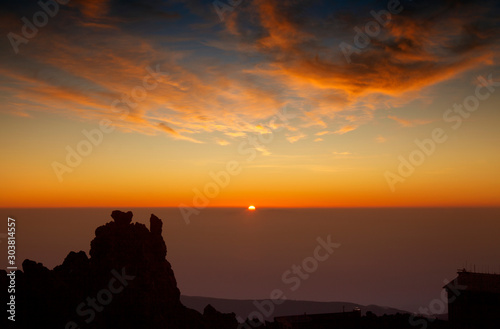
{"x":268,"y":207}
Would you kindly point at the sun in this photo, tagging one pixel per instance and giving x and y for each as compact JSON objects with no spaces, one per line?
{"x":251,"y":207}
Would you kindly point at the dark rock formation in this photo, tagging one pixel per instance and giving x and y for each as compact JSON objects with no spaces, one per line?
{"x":219,"y":320}
{"x":122,"y":218}
{"x":126,"y":283}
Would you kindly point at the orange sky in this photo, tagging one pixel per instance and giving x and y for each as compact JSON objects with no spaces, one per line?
{"x":102,"y":108}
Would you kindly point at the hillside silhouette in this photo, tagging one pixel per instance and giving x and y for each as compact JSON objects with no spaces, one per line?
{"x":243,"y":307}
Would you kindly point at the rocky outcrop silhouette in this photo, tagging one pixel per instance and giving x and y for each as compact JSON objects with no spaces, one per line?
{"x":126,"y":283}
{"x":219,"y":320}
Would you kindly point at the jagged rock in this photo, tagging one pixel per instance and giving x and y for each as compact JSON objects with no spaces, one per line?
{"x":125,"y":257}
{"x":219,"y":320}
{"x":75,"y":262}
{"x":33,"y":268}
{"x":122,"y":218}
{"x":155,"y":225}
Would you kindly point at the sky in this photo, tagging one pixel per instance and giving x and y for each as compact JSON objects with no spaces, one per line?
{"x":198,"y":104}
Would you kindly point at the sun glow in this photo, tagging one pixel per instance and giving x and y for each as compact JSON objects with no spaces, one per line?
{"x":251,"y":207}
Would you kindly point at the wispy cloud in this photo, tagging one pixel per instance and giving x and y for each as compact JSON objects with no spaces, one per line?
{"x":344,"y":129}
{"x":295,"y":138}
{"x":222,"y":142}
{"x":97,"y":51}
{"x":409,"y":123}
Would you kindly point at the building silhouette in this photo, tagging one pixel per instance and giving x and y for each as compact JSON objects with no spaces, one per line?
{"x":474,"y":301}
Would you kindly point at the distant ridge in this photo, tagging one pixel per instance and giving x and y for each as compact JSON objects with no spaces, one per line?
{"x":290,"y":307}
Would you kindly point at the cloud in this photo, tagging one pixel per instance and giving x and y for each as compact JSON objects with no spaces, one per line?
{"x":344,"y":129}
{"x":92,"y":9}
{"x":235,"y":134}
{"x":233,"y":78}
{"x":421,"y":44}
{"x":294,"y":138}
{"x":176,"y":135}
{"x":167,"y":129}
{"x":263,"y":150}
{"x":222,"y":142}
{"x":409,"y":123}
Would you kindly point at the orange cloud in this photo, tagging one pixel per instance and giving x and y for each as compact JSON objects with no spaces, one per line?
{"x":344,"y":129}
{"x":295,"y":138}
{"x":166,"y":128}
{"x":409,"y":123}
{"x":82,"y":72}
{"x":93,"y":9}
{"x":330,"y":85}
{"x":222,"y":142}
